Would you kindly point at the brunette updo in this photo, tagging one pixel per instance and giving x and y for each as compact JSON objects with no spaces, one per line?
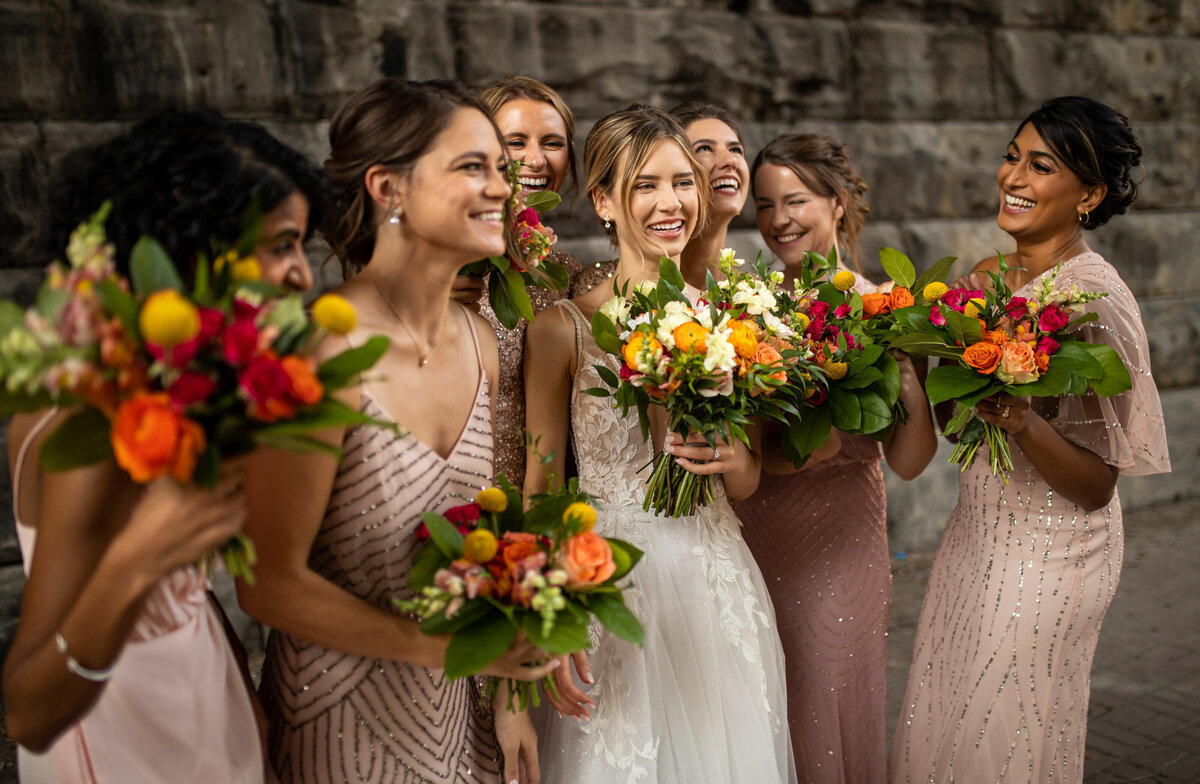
{"x":391,"y":122}
{"x":188,"y":178}
{"x":822,"y":163}
{"x":688,"y":113}
{"x":1095,"y":142}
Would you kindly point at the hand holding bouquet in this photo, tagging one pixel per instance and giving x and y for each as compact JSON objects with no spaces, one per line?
{"x":170,"y":382}
{"x":528,"y":242}
{"x":492,"y":569}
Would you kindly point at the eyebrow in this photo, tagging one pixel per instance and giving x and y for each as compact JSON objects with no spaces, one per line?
{"x":731,"y":143}
{"x":474,"y":155}
{"x":1034,"y":153}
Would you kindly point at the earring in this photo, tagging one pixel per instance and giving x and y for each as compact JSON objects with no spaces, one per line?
{"x":394,"y":218}
{"x":607,"y":221}
{"x":1083,"y":218}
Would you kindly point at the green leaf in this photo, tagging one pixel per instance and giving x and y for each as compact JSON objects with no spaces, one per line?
{"x":598,"y":392}
{"x":669,"y":271}
{"x":542,"y":201}
{"x":502,"y":305}
{"x":611,"y":611}
{"x":965,"y":329}
{"x":864,"y":378}
{"x":918,"y":345}
{"x":443,"y":534}
{"x":297,"y":444}
{"x":120,"y":302}
{"x":938,"y":272}
{"x":604,"y":332}
{"x":607,"y":376}
{"x":876,"y":413}
{"x":890,"y":369}
{"x":846,"y":411}
{"x":151,"y":269}
{"x":514,"y":286}
{"x":478,"y":645}
{"x":1077,"y":359}
{"x":807,"y":434}
{"x":426,"y":563}
{"x":625,"y":556}
{"x":1116,"y":376}
{"x":11,"y":315}
{"x":326,"y":414}
{"x":472,"y":612}
{"x":898,"y":267}
{"x":556,"y":274}
{"x":50,"y":302}
{"x":83,"y":439}
{"x":949,"y":382}
{"x":23,"y":402}
{"x":566,"y":635}
{"x":336,"y":372}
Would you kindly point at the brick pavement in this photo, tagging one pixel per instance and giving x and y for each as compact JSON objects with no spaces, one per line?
{"x":1144,"y":719}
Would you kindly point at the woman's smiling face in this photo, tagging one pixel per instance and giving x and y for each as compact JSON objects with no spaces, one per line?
{"x":791,"y":218}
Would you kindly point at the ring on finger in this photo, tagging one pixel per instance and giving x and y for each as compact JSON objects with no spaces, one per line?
{"x":1004,"y":414}
{"x":716,"y":454}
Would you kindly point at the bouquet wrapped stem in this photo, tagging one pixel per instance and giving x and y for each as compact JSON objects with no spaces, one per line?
{"x":675,"y":491}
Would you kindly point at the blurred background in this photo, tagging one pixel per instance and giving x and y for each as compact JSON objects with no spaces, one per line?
{"x":926,"y":92}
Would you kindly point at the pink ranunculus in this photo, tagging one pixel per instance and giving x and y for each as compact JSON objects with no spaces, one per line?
{"x":1016,"y":308}
{"x":267,"y":385}
{"x":240,"y":341}
{"x":957,"y":299}
{"x":841,"y":311}
{"x":191,"y":387}
{"x":1047,"y":345}
{"x":211,"y":322}
{"x":1017,"y":363}
{"x":818,"y":310}
{"x":244,"y":309}
{"x":936,"y":317}
{"x":1053,"y":318}
{"x":462,"y":514}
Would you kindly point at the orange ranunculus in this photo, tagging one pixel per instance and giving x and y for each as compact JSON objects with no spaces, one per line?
{"x":306,"y":387}
{"x":900,"y":298}
{"x":150,"y":438}
{"x":637,"y":341}
{"x":518,"y":546}
{"x":690,"y":336}
{"x":1017,"y":363}
{"x":982,"y":356}
{"x":1042,"y":360}
{"x":743,"y":340}
{"x":875,"y":304}
{"x":996,"y":337}
{"x":587,"y":559}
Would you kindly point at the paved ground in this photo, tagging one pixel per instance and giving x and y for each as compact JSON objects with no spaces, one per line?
{"x":1144,"y":722}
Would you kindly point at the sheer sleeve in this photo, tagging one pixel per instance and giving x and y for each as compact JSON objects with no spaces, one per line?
{"x":1127,"y":430}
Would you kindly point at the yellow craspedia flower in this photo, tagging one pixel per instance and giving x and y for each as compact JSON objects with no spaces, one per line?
{"x":974,"y":307}
{"x":584,"y":514}
{"x":480,"y":546}
{"x":844,"y":280}
{"x":83,"y":287}
{"x":492,"y":499}
{"x":934,"y":291}
{"x":802,"y":321}
{"x":168,"y":319}
{"x":335,"y":313}
{"x":836,"y":370}
{"x":246,"y":270}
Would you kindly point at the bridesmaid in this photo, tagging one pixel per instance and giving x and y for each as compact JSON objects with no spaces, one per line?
{"x":717,"y":144}
{"x":826,"y":560}
{"x":353,"y":690}
{"x":998,"y":689}
{"x":120,"y":669}
{"x":539,"y":131}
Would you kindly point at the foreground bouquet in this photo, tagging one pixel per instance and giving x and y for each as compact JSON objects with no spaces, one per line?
{"x":169,"y":382}
{"x":712,"y":366}
{"x":528,"y":242}
{"x":491,"y":569}
{"x":1001,"y":343}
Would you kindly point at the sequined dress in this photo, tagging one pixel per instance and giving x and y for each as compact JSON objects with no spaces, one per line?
{"x":999,"y":684}
{"x":820,"y":538}
{"x":703,"y":700}
{"x":826,"y":564}
{"x":510,"y":387}
{"x":340,"y":717}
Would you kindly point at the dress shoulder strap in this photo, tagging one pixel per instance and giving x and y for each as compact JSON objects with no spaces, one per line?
{"x":579,"y":320}
{"x":475,"y":341}
{"x":19,"y":465}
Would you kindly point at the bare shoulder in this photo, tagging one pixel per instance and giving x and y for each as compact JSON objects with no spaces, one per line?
{"x":990,"y":264}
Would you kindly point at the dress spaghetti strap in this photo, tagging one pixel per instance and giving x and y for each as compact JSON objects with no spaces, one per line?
{"x":34,"y":432}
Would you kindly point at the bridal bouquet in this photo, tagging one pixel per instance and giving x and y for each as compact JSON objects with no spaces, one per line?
{"x":492,"y":568}
{"x":528,"y":242}
{"x":168,"y":381}
{"x":863,"y":380}
{"x":712,"y":366}
{"x":1002,"y":343}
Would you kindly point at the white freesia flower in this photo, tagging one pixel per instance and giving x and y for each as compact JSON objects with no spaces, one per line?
{"x":756,"y":298}
{"x":645,"y":286}
{"x":720,"y":356}
{"x":617,"y":309}
{"x":776,"y":277}
{"x":776,"y":327}
{"x":671,"y":316}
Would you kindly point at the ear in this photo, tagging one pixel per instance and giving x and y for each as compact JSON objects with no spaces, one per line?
{"x":602,"y":203}
{"x":838,"y":211}
{"x":1092,"y":196}
{"x":385,"y":187}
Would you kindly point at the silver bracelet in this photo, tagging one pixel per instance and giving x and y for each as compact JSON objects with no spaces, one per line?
{"x":74,"y":667}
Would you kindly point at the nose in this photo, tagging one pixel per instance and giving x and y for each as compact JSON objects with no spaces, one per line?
{"x":780,"y":218}
{"x":299,"y":275}
{"x":726,"y":160}
{"x":534,"y":158}
{"x":669,"y":200}
{"x":496,"y":185}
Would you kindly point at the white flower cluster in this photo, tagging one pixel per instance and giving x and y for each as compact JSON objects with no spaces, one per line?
{"x":755,"y":296}
{"x":673,"y":314}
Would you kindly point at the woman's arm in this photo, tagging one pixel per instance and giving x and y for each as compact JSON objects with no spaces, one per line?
{"x":1078,"y":474}
{"x":911,"y":444}
{"x":549,"y":370}
{"x":102,"y":544}
{"x":740,"y":466}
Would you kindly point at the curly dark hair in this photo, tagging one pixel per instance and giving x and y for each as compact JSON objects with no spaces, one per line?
{"x":187,"y":178}
{"x":1095,"y":142}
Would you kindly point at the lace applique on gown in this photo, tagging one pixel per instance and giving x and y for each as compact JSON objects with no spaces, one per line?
{"x":703,"y":700}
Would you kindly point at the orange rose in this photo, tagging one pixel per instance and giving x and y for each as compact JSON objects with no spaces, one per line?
{"x":743,"y":340}
{"x":587,"y":559}
{"x":306,"y":387}
{"x":1042,"y":360}
{"x":767,"y":355}
{"x":875,"y":304}
{"x":901,"y":298}
{"x":982,"y":356}
{"x":1017,"y":363}
{"x":690,"y":336}
{"x":996,"y":337}
{"x":150,"y":439}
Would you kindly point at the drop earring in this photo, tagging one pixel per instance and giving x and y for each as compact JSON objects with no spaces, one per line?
{"x":607,"y":222}
{"x":394,"y":218}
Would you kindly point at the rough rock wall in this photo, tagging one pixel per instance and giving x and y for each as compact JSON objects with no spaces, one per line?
{"x":927,"y":94}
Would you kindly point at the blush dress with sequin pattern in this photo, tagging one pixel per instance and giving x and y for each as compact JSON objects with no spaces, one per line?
{"x":999,"y":683}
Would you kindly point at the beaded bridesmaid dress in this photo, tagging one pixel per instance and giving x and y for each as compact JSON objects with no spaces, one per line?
{"x":340,"y":717}
{"x":702,"y":702}
{"x":820,"y":538}
{"x":1000,"y":678}
{"x":176,"y":707}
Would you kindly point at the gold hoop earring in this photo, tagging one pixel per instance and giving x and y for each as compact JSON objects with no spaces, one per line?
{"x":1083,"y":218}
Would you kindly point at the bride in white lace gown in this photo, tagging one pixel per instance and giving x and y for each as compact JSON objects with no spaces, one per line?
{"x":703,"y":700}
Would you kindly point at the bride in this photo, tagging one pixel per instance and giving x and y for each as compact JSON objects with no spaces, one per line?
{"x":703,"y":700}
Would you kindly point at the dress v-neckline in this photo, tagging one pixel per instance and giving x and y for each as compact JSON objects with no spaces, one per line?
{"x":462,"y":432}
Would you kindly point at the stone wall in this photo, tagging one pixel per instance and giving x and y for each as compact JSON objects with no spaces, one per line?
{"x":927,"y":93}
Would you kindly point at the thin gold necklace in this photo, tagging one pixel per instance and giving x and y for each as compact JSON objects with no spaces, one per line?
{"x":422,"y":357}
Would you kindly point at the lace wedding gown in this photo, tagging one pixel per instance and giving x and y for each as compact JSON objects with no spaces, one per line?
{"x":703,"y":700}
